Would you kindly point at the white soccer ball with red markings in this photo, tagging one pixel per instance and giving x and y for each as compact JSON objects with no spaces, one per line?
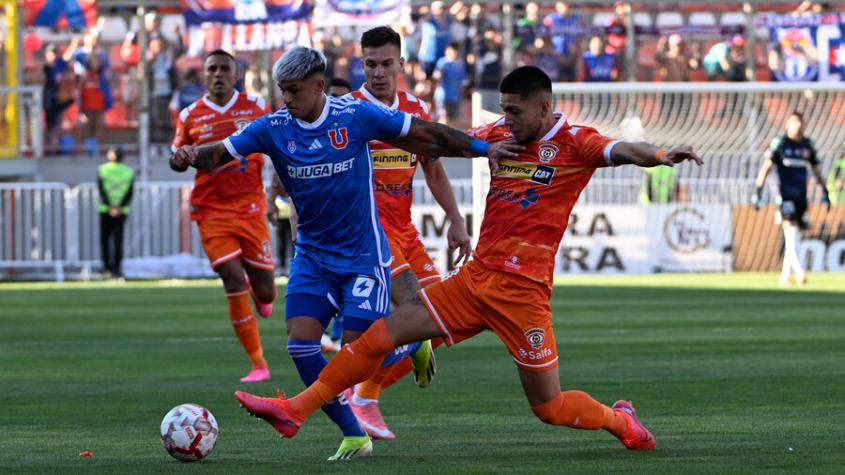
{"x":189,"y":432}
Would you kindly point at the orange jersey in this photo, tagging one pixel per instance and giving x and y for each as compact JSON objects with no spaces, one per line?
{"x":530,"y":198}
{"x":393,"y":172}
{"x":227,"y":191}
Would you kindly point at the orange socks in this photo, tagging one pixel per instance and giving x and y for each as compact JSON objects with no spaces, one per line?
{"x":372,"y":388}
{"x":353,"y":364}
{"x":578,"y":410}
{"x":245,"y":326}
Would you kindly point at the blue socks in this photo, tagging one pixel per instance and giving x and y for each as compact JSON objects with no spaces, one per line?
{"x":337,"y":328}
{"x":309,"y":362}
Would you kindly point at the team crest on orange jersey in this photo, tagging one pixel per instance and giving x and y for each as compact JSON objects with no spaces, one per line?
{"x":338,"y":138}
{"x":547,"y":152}
{"x":536,"y":337}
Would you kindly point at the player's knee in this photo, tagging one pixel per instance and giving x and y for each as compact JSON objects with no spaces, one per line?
{"x":265,"y":292}
{"x":232,"y":281}
{"x":403,"y":286}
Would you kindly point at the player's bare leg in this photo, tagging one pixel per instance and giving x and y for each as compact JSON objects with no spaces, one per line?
{"x":243,"y":322}
{"x":578,"y":410}
{"x":353,"y":364}
{"x":262,"y":288}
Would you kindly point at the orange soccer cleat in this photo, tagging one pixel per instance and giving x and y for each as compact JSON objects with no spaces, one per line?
{"x":275,"y":410}
{"x":636,"y":436}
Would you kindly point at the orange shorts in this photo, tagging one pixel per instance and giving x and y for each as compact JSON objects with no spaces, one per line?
{"x":227,"y":239}
{"x":515,"y":308}
{"x":412,"y":257}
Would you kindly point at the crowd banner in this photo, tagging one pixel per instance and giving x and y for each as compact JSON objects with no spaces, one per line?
{"x":329,"y":13}
{"x":76,"y":14}
{"x":806,"y":47}
{"x":689,"y":237}
{"x":246,"y":25}
{"x":758,"y":240}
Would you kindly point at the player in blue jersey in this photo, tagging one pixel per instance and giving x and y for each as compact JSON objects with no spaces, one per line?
{"x":791,"y":155}
{"x":319,"y":147}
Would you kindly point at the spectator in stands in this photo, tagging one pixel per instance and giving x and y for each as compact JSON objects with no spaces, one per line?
{"x":190,"y":90}
{"x":338,"y":87}
{"x":434,"y":37}
{"x":451,"y":76}
{"x":672,"y":57}
{"x":546,"y":58}
{"x":78,"y":54}
{"x":599,"y":65}
{"x":58,"y":94}
{"x":95,"y":98}
{"x":410,"y":33}
{"x":564,"y":32}
{"x":115,"y":182}
{"x":459,"y":27}
{"x":488,"y":62}
{"x":162,"y":74}
{"x":526,"y":27}
{"x":727,"y":60}
{"x":617,"y":36}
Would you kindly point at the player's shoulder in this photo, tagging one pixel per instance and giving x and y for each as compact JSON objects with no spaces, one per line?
{"x":192,"y":110}
{"x":252,"y":101}
{"x":411,"y":103}
{"x":492,"y":132}
{"x":775,"y":143}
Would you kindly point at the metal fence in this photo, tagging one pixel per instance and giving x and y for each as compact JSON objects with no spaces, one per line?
{"x":22,"y":133}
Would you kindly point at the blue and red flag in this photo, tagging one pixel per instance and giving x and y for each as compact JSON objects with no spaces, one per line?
{"x":244,"y":11}
{"x":77,"y":14}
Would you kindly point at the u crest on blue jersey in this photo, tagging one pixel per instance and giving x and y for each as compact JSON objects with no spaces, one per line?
{"x":339,"y":138}
{"x":291,"y":146}
{"x":363,"y":286}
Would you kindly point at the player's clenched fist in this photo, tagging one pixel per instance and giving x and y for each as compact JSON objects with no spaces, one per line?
{"x":184,"y":156}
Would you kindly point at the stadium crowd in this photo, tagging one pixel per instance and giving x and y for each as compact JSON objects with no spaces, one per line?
{"x":450,"y":50}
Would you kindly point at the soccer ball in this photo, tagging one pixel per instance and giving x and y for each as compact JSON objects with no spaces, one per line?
{"x":189,"y":432}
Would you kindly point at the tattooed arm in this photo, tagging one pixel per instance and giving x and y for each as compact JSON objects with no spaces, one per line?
{"x":435,"y":140}
{"x":204,"y":157}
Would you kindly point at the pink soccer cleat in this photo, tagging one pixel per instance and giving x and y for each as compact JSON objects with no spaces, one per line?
{"x":369,"y":416}
{"x":275,"y":410}
{"x":263,"y":309}
{"x":258,"y":373}
{"x":636,"y":436}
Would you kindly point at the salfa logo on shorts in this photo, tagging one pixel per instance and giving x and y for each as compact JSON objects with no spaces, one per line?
{"x":536,"y":337}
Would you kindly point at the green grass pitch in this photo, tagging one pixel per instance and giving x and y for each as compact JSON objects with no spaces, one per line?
{"x":731,"y":374}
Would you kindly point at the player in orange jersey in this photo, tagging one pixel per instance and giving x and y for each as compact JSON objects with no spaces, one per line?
{"x":228,"y":204}
{"x":394,"y":170}
{"x":507,"y":286}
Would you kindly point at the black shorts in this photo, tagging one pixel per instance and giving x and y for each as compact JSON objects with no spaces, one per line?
{"x":794,"y":210}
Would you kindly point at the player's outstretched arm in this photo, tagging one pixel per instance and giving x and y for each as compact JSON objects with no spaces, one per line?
{"x":644,"y":154}
{"x":204,"y":157}
{"x":437,"y":140}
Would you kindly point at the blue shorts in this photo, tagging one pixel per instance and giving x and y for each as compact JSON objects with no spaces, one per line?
{"x":320,"y":292}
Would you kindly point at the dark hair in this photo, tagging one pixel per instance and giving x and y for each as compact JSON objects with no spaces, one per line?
{"x":118,"y":153}
{"x":525,"y":81}
{"x":219,"y":52}
{"x":339,"y":82}
{"x":798,"y":114}
{"x":380,"y":36}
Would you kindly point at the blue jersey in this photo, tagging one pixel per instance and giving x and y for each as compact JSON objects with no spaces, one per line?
{"x":326,"y":168}
{"x":599,"y":68}
{"x":791,"y":159}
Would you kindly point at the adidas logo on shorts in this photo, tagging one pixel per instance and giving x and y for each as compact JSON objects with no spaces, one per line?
{"x":365,"y":305}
